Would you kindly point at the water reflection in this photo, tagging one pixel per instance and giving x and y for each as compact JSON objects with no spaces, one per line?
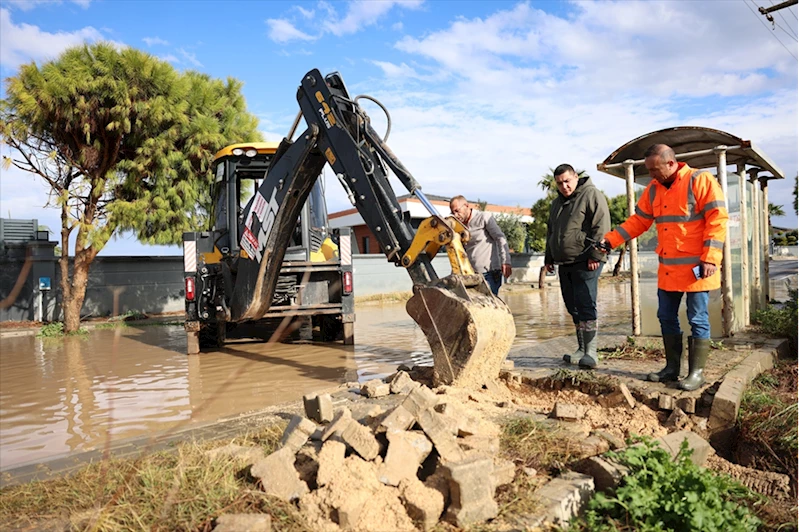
{"x":58,"y":396}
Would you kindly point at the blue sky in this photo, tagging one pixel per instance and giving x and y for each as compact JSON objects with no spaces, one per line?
{"x":484,"y":96}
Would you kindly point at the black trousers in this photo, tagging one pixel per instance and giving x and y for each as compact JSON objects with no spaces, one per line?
{"x":578,"y":286}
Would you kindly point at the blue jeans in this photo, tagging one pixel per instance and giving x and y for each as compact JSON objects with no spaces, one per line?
{"x":669,"y":304}
{"x":494,"y":280}
{"x":578,"y":286}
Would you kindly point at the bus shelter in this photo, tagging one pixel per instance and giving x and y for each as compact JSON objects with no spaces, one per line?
{"x":744,"y":268}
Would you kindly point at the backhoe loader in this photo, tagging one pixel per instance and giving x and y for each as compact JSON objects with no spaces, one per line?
{"x":235,"y":268}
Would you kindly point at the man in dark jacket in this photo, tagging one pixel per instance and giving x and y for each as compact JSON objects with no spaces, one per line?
{"x":579,"y":217}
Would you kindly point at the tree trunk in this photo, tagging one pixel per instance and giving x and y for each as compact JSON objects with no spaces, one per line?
{"x":74,"y":304}
{"x":617,"y":267}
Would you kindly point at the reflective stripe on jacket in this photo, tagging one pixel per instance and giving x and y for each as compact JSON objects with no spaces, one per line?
{"x":691,"y":219}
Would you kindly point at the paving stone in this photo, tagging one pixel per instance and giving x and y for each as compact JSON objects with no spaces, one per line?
{"x":686,"y":404}
{"x":419,"y":400}
{"x":243,"y":523}
{"x":568,"y":411}
{"x":672,"y":442}
{"x":399,"y":419}
{"x":508,"y":364}
{"x":318,"y":407}
{"x":593,"y":445}
{"x":564,"y":497}
{"x":375,"y":388}
{"x":423,"y":504}
{"x":278,"y":476}
{"x":487,"y":444}
{"x":361,"y":440}
{"x":665,"y":401}
{"x":441,"y":435}
{"x":606,"y":473}
{"x":331,"y":460}
{"x":471,"y":492}
{"x":297,"y":433}
{"x":614,"y":441}
{"x":340,"y":421}
{"x":406,"y":452}
{"x":504,"y":472}
{"x":401,"y":383}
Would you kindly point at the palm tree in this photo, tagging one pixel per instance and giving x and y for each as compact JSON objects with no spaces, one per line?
{"x":774,"y":210}
{"x":547,"y":182}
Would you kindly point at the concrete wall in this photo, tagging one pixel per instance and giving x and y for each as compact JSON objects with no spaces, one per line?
{"x":785,"y":251}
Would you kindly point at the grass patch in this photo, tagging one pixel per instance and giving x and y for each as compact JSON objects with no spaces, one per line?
{"x":767,"y":420}
{"x":529,"y":443}
{"x":661,"y":493}
{"x":182,"y":489}
{"x":632,"y":349}
{"x":56,"y":330}
{"x":780,"y":320}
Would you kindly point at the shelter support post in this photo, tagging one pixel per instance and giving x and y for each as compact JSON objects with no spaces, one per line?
{"x":757,"y":252}
{"x":745,"y":273}
{"x":727,"y":305}
{"x":635,"y":293}
{"x":766,"y":240}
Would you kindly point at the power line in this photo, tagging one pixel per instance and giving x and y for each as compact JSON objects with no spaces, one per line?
{"x":792,"y":13}
{"x":768,"y":30}
{"x":779,"y":12}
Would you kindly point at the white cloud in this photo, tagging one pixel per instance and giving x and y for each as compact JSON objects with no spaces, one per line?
{"x":282,"y":31}
{"x":24,"y":42}
{"x":169,"y":58}
{"x":190,"y":57}
{"x":359,"y":15}
{"x":155,"y":41}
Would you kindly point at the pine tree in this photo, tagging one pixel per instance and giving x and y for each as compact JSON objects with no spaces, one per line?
{"x":125,"y":142}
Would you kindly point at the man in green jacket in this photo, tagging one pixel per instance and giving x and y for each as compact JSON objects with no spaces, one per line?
{"x":579,"y":217}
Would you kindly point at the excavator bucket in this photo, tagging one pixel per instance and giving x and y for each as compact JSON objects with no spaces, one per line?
{"x":470,"y":330}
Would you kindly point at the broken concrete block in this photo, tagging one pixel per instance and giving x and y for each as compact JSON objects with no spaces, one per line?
{"x":471,"y":491}
{"x":568,"y":411}
{"x":318,"y":407}
{"x":679,"y":420}
{"x":482,"y":443}
{"x":243,"y":523}
{"x":249,"y":455}
{"x":606,"y":473}
{"x":406,"y":452}
{"x":565,"y":496}
{"x":278,"y":476}
{"x":419,"y":400}
{"x":621,"y":396}
{"x":614,"y":441}
{"x":593,"y":445}
{"x":331,"y":460}
{"x":440,"y":434}
{"x":401,"y":383}
{"x":508,"y":364}
{"x":687,"y":404}
{"x":340,"y":421}
{"x":375,"y":388}
{"x":504,"y":472}
{"x":297,"y":433}
{"x":701,"y":448}
{"x":423,"y":504}
{"x":665,"y":401}
{"x":361,"y":440}
{"x":399,"y":419}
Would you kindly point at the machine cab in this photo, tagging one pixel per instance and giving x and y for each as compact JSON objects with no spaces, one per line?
{"x":239,"y":169}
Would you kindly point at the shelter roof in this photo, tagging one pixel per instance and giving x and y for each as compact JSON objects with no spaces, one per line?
{"x":692,"y":145}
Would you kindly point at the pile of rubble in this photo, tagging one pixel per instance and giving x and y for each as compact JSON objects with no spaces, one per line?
{"x":429,"y":457}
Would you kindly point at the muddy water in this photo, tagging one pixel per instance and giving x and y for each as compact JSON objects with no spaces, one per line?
{"x":58,"y":396}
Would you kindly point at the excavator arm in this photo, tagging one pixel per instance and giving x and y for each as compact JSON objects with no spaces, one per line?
{"x":469,"y":329}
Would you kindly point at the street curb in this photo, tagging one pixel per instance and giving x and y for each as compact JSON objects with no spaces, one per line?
{"x":727,"y":401}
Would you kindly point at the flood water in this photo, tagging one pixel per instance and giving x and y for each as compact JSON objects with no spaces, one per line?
{"x":77,"y":394}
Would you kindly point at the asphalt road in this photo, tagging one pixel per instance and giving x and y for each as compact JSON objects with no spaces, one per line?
{"x":781,"y":269}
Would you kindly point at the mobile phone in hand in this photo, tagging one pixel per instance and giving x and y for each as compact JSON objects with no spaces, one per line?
{"x":697,"y":271}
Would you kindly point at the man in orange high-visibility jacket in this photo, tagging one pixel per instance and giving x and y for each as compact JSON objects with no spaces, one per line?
{"x":691,"y":216}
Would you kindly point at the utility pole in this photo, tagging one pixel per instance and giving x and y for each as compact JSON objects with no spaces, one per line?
{"x":767,"y":11}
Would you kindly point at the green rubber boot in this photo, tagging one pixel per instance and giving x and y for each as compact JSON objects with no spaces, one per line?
{"x":590,"y":359}
{"x":672,"y":344}
{"x":571,"y":358}
{"x":698,"y":350}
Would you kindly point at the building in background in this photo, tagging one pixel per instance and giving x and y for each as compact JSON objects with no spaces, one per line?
{"x":413,"y":210}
